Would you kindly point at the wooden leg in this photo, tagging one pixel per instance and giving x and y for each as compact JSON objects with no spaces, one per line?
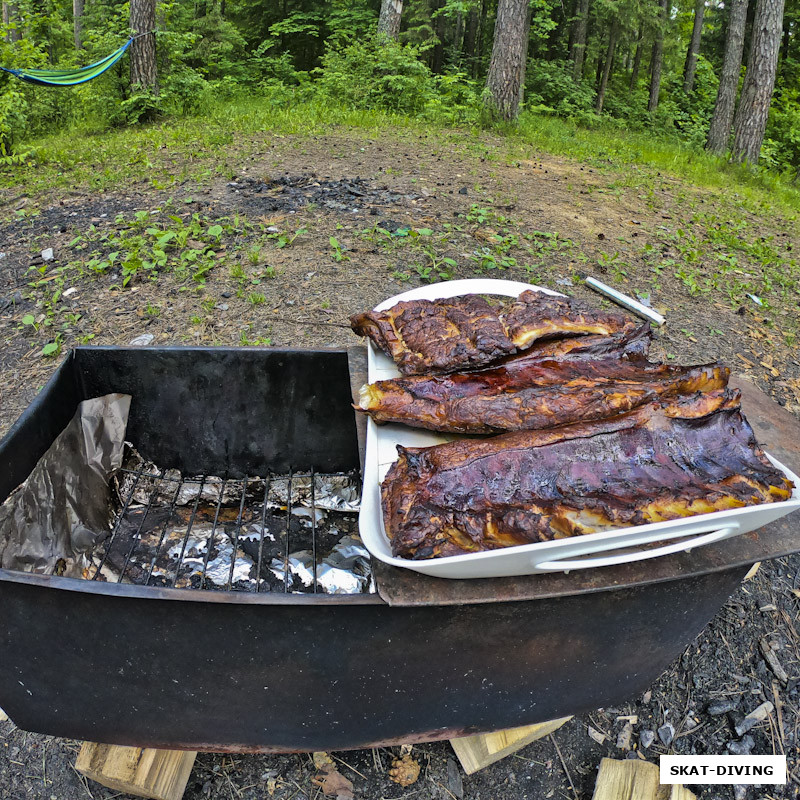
{"x":156,"y":774}
{"x":477,"y":752}
{"x":634,"y":779}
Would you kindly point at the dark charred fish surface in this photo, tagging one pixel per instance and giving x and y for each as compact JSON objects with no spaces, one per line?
{"x":466,"y":332}
{"x":519,"y":488}
{"x":529,"y":392}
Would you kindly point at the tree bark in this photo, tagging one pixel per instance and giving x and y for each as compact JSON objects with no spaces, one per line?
{"x":612,"y":43}
{"x":10,"y":15}
{"x":637,"y":59}
{"x":657,"y":59}
{"x":470,"y":41}
{"x":509,"y":51}
{"x":77,"y":22}
{"x":690,"y":66}
{"x":389,"y":20}
{"x":580,"y":28}
{"x":440,"y":30}
{"x":759,"y":81}
{"x":719,"y":133}
{"x":143,"y":48}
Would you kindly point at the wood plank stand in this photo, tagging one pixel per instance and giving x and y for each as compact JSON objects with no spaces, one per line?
{"x":145,"y":772}
{"x":634,"y":779}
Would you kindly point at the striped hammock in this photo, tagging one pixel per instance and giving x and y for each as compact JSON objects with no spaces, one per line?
{"x":70,"y":77}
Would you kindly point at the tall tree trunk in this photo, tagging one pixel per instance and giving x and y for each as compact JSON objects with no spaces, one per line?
{"x":637,"y":59}
{"x":719,"y":133}
{"x":690,"y":66}
{"x":759,"y":81}
{"x":657,"y":59}
{"x":11,"y":15}
{"x":470,"y":41}
{"x":528,"y":15}
{"x":143,"y":48}
{"x":389,"y":20}
{"x":481,"y":31}
{"x":77,"y":22}
{"x":440,"y":31}
{"x":579,"y":39}
{"x":612,"y":43}
{"x":509,"y":50}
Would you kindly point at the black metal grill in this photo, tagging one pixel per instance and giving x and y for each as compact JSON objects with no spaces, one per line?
{"x":223,"y":533}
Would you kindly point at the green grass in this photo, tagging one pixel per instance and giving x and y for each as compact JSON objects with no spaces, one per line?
{"x":206,"y":147}
{"x":612,"y":147}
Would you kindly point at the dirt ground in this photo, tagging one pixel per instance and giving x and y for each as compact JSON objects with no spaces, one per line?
{"x":378,"y":216}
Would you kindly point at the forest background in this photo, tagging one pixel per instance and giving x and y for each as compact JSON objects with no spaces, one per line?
{"x":641,"y":65}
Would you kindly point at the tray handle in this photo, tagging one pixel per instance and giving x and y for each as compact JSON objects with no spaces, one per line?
{"x":577,"y":562}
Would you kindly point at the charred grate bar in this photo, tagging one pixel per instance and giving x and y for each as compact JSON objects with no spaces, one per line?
{"x":280,"y":533}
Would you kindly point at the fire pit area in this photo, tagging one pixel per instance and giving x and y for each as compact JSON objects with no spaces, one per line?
{"x":189,"y":631}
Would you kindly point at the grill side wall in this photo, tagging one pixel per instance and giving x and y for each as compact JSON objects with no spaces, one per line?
{"x":225,"y":676}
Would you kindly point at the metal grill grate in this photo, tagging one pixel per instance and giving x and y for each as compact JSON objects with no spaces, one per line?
{"x":286,"y":533}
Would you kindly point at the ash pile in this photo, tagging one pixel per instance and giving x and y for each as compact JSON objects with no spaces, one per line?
{"x":291,"y":193}
{"x":282,"y":533}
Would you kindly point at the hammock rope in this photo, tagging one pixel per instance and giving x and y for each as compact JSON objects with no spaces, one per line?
{"x":72,"y":77}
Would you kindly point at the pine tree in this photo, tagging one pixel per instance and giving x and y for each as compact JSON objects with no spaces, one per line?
{"x":143,"y":48}
{"x":759,"y":81}
{"x":509,"y":51}
{"x":690,"y":65}
{"x":719,"y":133}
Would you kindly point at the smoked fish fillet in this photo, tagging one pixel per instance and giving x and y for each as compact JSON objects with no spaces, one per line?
{"x":465,"y":332}
{"x":518,"y":488}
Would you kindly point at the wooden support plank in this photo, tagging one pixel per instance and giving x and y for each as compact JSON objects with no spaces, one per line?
{"x":634,"y":779}
{"x":477,"y":752}
{"x":144,"y":772}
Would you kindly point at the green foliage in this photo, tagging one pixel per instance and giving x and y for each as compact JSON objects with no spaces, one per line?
{"x":550,"y":87}
{"x":375,"y":74}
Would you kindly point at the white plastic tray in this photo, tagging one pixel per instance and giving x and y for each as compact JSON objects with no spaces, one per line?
{"x":578,"y":552}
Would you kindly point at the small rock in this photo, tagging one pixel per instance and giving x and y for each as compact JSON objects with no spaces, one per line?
{"x":754,"y":717}
{"x":221,"y":306}
{"x":739,"y":792}
{"x":454,"y":783}
{"x":462,"y":190}
{"x":743,"y":747}
{"x":647,"y":696}
{"x":646,"y":738}
{"x":47,"y":254}
{"x":721,"y":707}
{"x":564,"y":281}
{"x":666,"y":733}
{"x":143,"y":340}
{"x":226,"y":295}
{"x":69,"y":292}
{"x":10,"y":301}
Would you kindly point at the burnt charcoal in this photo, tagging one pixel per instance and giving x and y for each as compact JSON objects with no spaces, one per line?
{"x":293,"y":192}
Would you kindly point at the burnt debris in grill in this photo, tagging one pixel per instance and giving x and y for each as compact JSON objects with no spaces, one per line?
{"x":281,"y":533}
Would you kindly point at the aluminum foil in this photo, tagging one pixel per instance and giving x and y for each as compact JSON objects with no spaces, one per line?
{"x":54,"y":519}
{"x":345,"y":570}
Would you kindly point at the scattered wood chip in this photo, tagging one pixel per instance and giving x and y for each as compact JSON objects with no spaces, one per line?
{"x":795,"y":592}
{"x":757,"y":715}
{"x":624,"y":737}
{"x":600,"y":738}
{"x":404,"y":771}
{"x":772,"y":660}
{"x":632,"y":718}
